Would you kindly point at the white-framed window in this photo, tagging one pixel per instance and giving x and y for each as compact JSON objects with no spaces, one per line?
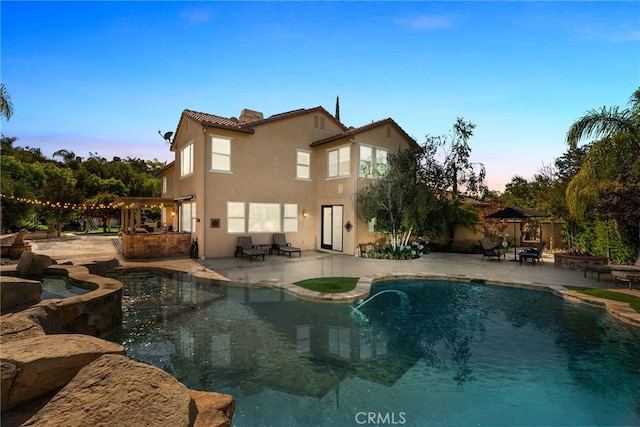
{"x":318,"y":122}
{"x":290,"y":218}
{"x":338,"y":161}
{"x":186,"y":160}
{"x":235,"y":217}
{"x":371,"y":226}
{"x":188,"y":217}
{"x":264,"y":218}
{"x":381,"y":160}
{"x":220,"y":153}
{"x":366,"y":160}
{"x":303,"y":164}
{"x":373,"y":161}
{"x":164,"y":184}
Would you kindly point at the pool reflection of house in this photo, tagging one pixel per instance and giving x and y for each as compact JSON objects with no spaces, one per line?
{"x":296,"y":172}
{"x":283,"y":357}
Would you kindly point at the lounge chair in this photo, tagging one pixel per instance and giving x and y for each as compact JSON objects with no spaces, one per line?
{"x":491,"y":249}
{"x":246,"y":247}
{"x":280,"y":243}
{"x":532,"y":254}
{"x":608,"y":269}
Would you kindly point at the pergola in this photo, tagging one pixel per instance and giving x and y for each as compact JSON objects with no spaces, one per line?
{"x":131,"y":210}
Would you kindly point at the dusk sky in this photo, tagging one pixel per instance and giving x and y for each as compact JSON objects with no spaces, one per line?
{"x":104,"y":77}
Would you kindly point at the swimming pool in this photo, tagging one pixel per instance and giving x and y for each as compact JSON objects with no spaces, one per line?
{"x":455,"y":354}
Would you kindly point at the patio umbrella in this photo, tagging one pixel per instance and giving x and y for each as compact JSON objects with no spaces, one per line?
{"x":515,"y":212}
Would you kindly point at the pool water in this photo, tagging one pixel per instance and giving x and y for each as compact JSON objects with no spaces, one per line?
{"x":451,"y":354}
{"x":60,"y":287}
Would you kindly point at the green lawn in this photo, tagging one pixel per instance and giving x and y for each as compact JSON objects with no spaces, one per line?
{"x":329,"y":284}
{"x":633,"y":301}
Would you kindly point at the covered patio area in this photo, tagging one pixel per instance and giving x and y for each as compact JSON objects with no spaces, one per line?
{"x":142,"y":239}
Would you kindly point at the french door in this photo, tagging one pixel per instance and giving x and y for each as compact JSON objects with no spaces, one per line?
{"x":332,"y":227}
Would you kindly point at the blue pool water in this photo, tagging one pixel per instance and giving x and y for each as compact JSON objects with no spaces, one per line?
{"x":449,"y":354}
{"x":60,"y":287}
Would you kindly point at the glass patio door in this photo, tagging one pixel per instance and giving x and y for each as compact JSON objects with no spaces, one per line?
{"x":332,"y":227}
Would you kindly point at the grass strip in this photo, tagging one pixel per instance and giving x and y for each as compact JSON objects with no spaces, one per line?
{"x":632,"y":300}
{"x":329,"y":284}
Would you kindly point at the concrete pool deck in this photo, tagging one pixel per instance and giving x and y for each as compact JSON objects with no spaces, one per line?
{"x":281,"y":272}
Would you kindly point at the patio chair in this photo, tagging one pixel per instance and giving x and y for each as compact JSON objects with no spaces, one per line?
{"x":280,"y":243}
{"x":491,"y":249}
{"x":532,"y":254}
{"x":246,"y":247}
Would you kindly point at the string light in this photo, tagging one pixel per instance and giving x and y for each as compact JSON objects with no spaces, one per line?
{"x":82,"y":206}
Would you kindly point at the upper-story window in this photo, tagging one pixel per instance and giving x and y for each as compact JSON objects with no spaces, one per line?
{"x":303,"y":164}
{"x":164,"y":184}
{"x":318,"y":122}
{"x":186,"y":160}
{"x":220,"y":153}
{"x":373,"y":161}
{"x":338,"y":162}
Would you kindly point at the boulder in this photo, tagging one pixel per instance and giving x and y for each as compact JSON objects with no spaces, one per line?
{"x":114,"y":390}
{"x":32,"y":263}
{"x":214,"y":409}
{"x":16,"y":292}
{"x":37,"y":320}
{"x":36,"y":366}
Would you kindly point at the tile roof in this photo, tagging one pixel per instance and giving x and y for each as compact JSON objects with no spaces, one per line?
{"x":212,"y":120}
{"x":354,"y":131}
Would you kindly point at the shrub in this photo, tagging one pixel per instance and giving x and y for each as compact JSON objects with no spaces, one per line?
{"x":411,"y":251}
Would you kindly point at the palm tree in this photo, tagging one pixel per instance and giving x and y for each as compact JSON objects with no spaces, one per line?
{"x":608,"y":158}
{"x":6,"y":107}
{"x":611,"y":159}
{"x":608,"y":122}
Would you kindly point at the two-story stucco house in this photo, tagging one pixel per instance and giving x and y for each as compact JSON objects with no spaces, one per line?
{"x":297,"y":172}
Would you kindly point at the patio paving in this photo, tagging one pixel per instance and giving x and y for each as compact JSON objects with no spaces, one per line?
{"x":281,"y":271}
{"x":88,"y":248}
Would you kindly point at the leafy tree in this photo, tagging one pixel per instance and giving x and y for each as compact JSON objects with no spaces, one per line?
{"x":100,"y":206}
{"x":456,"y":173}
{"x":454,"y":176}
{"x":391,"y":197}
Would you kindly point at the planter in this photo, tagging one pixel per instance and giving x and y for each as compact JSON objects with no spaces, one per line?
{"x":577,"y":262}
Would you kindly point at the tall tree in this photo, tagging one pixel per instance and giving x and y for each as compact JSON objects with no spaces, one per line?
{"x":6,"y":106}
{"x":337,"y":108}
{"x":455,"y":175}
{"x":611,"y":164}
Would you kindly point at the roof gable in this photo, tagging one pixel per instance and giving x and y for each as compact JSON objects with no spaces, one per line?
{"x":354,"y":131}
{"x":233,"y":124}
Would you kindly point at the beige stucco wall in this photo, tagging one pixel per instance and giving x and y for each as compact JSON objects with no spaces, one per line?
{"x":263,"y":170}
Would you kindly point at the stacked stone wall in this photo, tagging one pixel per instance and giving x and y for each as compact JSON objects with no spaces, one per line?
{"x":155,"y":245}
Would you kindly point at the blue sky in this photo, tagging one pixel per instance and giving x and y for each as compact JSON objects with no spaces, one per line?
{"x":104,"y":77}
